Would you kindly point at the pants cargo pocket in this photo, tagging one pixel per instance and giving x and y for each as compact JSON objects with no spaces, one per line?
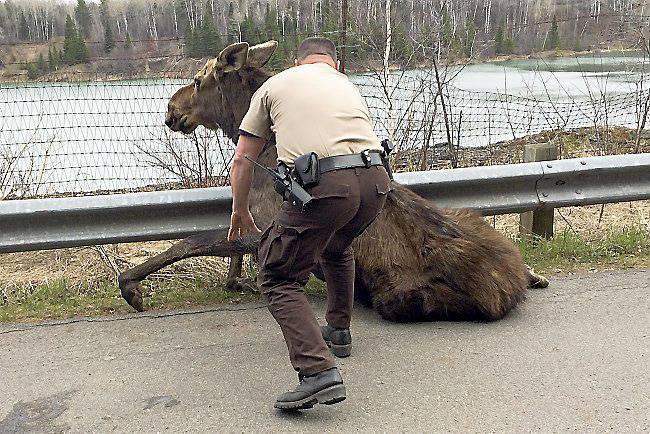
{"x":382,"y":189}
{"x":263,"y":249}
{"x":279,"y":249}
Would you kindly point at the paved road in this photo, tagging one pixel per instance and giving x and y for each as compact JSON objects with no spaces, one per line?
{"x":573,"y":357}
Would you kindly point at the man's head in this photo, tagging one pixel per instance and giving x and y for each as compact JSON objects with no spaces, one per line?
{"x":317,"y":50}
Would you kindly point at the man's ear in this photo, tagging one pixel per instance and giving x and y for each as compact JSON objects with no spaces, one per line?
{"x":233,"y":57}
{"x":259,"y":55}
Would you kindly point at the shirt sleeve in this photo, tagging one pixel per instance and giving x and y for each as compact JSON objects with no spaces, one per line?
{"x":364,"y":103}
{"x":257,"y":120}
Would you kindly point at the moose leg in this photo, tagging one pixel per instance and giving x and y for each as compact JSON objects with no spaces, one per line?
{"x":212,"y":243}
{"x":536,"y":280}
{"x":234,"y":270}
{"x":234,"y":281}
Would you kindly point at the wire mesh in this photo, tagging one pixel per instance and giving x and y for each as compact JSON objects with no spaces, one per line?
{"x":95,"y":137}
{"x":410,"y":110}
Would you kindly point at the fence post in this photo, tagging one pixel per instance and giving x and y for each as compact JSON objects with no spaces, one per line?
{"x":344,"y":36}
{"x":538,"y":223}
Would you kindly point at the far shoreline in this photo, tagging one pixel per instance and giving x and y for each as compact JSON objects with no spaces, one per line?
{"x":70,"y":75}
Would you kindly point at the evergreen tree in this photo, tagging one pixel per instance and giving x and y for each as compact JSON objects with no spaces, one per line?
{"x":109,"y":40}
{"x":32,"y":71}
{"x":59,"y":57}
{"x":272,"y":32}
{"x":249,"y":31}
{"x":577,"y":44}
{"x":503,"y":42}
{"x":208,"y":42}
{"x":69,"y":42}
{"x":402,"y":51}
{"x":288,"y":41}
{"x":271,"y":26}
{"x":23,"y":28}
{"x":181,"y":15}
{"x":329,"y":25}
{"x":84,"y":20}
{"x":233,"y":25}
{"x":40,"y":64}
{"x":128,"y":43}
{"x":83,"y":54}
{"x":470,"y":37}
{"x":74,"y":47}
{"x":499,"y":40}
{"x":553,"y":39}
{"x":190,"y":43}
{"x":447,"y":32}
{"x":51,"y":59}
{"x":509,"y":45}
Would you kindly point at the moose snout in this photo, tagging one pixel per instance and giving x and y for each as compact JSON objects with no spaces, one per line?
{"x":169,"y":120}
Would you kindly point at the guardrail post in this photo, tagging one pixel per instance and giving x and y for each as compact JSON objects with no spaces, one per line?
{"x":538,"y":223}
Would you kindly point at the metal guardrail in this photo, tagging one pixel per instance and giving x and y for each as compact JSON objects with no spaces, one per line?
{"x":37,"y":224}
{"x":515,"y":188}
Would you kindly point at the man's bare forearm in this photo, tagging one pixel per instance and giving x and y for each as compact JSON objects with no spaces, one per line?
{"x":241,"y":172}
{"x":241,"y":176}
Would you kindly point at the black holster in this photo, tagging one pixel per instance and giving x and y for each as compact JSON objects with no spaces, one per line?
{"x":306,"y":171}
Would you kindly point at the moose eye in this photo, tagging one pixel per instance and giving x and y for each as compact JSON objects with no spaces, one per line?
{"x":197,"y":83}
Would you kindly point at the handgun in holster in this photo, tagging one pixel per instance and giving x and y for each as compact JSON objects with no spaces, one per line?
{"x":286,"y":185}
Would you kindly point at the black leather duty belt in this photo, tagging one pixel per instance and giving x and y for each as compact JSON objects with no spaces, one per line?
{"x":339,"y":162}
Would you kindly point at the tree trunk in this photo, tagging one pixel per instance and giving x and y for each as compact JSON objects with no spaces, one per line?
{"x":387,"y":75}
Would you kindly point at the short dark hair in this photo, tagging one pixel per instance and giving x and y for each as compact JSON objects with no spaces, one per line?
{"x":316,"y":45}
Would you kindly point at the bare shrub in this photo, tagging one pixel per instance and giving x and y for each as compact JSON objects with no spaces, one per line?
{"x":199,"y":160}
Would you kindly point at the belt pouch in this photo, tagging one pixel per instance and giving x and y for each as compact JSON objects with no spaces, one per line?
{"x":306,"y":170}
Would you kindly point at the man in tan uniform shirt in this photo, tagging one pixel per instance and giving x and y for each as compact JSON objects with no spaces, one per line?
{"x":312,"y":108}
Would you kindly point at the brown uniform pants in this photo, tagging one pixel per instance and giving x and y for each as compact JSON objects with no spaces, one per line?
{"x":345,"y":203}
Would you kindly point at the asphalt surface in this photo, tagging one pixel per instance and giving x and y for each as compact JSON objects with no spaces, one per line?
{"x":573,"y":357}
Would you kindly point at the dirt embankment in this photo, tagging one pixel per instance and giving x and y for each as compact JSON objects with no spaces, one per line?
{"x":577,"y":143}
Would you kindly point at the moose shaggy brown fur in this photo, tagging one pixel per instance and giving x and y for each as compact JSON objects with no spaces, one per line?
{"x":416,"y":261}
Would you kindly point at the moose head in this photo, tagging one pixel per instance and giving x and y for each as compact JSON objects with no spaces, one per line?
{"x":221,"y":91}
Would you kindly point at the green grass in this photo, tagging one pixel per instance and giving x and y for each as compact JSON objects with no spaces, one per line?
{"x":566,"y":252}
{"x":58,"y":299}
{"x":64,"y":299}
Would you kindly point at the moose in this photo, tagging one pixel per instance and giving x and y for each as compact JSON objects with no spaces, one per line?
{"x":416,"y":262}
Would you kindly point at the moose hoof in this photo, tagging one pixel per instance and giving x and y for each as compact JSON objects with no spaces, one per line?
{"x":241,"y":285}
{"x":536,"y":281}
{"x":539,"y":282}
{"x":132,"y":293}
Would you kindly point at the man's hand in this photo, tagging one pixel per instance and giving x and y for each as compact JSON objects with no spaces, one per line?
{"x":241,"y":223}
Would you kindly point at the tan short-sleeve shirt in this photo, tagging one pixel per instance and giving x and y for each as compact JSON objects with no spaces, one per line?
{"x":311,"y":108}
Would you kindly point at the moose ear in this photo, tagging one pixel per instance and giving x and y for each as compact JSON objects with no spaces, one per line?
{"x":233,"y":57}
{"x":259,"y":55}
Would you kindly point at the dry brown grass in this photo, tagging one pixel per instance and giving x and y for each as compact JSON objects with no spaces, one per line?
{"x":586,"y":221}
{"x":89,"y":265}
